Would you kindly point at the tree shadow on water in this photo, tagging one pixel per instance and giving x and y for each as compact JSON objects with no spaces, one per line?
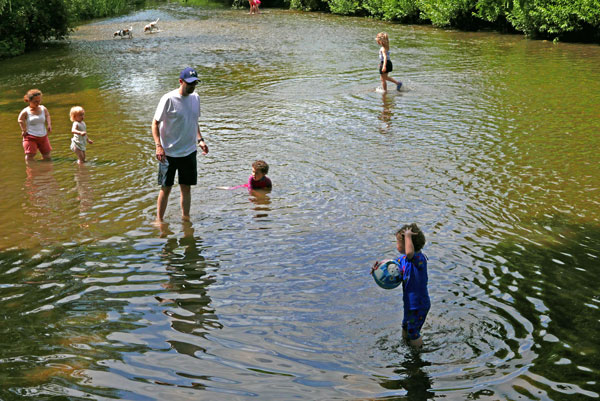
{"x":550,"y":273}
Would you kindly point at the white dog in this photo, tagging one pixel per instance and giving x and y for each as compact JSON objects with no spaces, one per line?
{"x":151,"y":26}
{"x":124,"y":32}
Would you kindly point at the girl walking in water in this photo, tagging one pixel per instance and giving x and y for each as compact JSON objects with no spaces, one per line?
{"x":385,"y":64}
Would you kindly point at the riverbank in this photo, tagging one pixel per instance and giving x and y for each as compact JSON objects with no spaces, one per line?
{"x":576,"y":22}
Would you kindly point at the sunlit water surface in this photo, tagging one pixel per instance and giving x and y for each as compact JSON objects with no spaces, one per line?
{"x":492,"y":148}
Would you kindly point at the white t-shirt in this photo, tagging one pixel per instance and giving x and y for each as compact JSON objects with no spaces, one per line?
{"x":178,"y":116}
{"x":36,"y":123}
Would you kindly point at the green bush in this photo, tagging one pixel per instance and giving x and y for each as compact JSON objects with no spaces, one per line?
{"x":87,"y":9}
{"x":394,"y":10}
{"x":11,"y":47}
{"x":448,"y":12}
{"x":555,"y":18}
{"x":25,"y":24}
{"x":344,"y":7}
{"x":309,"y":5}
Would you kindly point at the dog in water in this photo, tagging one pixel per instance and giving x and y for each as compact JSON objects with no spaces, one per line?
{"x":151,"y":26}
{"x":124,"y":33}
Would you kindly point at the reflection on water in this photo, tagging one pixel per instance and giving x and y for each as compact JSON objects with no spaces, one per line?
{"x":43,"y":210}
{"x":387,"y":113}
{"x":85,"y":192}
{"x":411,"y":382}
{"x":260,"y":197}
{"x":266,"y":295}
{"x":42,"y":189}
{"x":187,"y":289}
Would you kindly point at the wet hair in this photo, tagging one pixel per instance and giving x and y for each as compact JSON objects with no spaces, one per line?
{"x":384,"y":39}
{"x":262,"y":166}
{"x":418,"y":239}
{"x":75,"y":110}
{"x":31,"y":93}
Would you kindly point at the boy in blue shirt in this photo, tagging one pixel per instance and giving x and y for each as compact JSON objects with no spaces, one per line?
{"x":413,"y":266}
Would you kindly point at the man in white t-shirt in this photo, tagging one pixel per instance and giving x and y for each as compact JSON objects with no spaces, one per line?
{"x":176,"y":133}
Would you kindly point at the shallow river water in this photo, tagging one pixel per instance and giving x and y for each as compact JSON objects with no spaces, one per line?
{"x":492,"y":148}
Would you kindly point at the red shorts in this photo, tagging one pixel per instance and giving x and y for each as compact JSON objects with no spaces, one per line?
{"x":31,"y":144}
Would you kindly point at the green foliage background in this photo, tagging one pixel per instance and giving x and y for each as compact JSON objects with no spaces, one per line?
{"x":577,"y":20}
{"x":25,"y":24}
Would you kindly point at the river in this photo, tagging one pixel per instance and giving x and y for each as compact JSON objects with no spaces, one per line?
{"x":491,"y":147}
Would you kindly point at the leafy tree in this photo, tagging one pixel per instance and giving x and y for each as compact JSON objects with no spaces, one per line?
{"x":398,"y":10}
{"x":448,"y":12}
{"x":546,"y":18}
{"x":309,"y":5}
{"x":25,"y":24}
{"x":87,"y":9}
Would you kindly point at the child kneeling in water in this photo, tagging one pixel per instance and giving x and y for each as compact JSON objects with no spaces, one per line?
{"x":258,"y":179}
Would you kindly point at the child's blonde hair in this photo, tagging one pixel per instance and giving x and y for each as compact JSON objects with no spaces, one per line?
{"x":75,"y":110}
{"x":384,"y":39}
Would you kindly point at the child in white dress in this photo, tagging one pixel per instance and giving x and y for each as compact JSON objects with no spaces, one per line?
{"x":80,"y":138}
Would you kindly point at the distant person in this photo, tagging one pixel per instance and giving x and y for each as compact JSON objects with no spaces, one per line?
{"x":176,"y":134}
{"x":36,"y":125}
{"x":385,"y":63}
{"x":258,"y":179}
{"x":413,"y":267}
{"x":254,"y":6}
{"x":80,"y":137}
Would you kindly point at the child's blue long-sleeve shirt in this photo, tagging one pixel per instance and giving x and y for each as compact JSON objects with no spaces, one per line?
{"x":414,"y":284}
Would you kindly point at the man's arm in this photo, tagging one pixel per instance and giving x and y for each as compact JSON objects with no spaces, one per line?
{"x":201,"y":142}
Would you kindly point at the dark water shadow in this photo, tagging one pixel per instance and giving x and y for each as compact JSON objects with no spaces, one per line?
{"x":187,"y":287}
{"x":551,"y":273}
{"x":414,"y":379}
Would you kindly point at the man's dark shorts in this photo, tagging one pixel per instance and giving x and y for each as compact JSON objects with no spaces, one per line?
{"x":185,"y":167}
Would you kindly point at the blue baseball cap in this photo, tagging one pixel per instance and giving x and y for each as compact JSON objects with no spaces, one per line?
{"x":189,"y":75}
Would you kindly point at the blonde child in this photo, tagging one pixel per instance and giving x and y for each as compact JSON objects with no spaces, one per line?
{"x":79,"y":130}
{"x":385,"y":64}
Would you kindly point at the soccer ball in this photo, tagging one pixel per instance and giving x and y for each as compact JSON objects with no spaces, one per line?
{"x":388,"y":275}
